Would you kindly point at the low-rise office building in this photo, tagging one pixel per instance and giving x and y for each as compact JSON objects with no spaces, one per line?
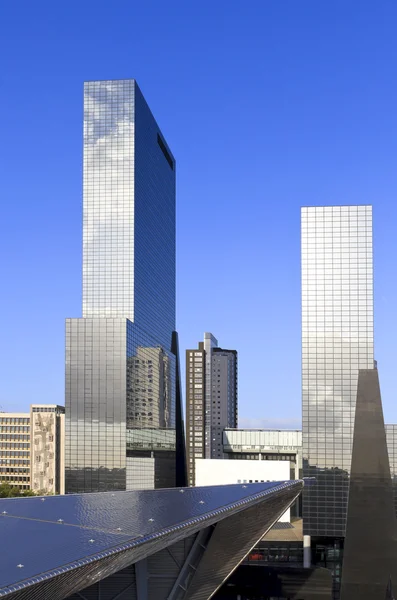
{"x":265,"y":444}
{"x":32,"y":449}
{"x":221,"y":472}
{"x":282,"y":444}
{"x":15,"y":449}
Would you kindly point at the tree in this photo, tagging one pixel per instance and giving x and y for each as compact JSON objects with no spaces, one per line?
{"x":11,"y":491}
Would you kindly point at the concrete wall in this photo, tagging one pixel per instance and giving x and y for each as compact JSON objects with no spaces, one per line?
{"x":223,"y":472}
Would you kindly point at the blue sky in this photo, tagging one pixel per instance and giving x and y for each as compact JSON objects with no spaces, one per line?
{"x":267,"y":105}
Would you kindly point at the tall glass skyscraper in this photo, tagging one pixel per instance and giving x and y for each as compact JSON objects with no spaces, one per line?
{"x":120,"y":371}
{"x":337,"y":341}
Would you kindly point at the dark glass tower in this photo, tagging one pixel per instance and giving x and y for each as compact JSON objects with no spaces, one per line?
{"x":120,"y":371}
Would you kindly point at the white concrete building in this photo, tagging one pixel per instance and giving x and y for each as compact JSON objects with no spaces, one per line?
{"x":265,"y":444}
{"x":223,"y":472}
{"x":32,"y":449}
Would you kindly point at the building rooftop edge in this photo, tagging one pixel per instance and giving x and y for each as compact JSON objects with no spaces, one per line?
{"x":338,"y":206}
{"x":113,"y":79}
{"x":261,"y":429}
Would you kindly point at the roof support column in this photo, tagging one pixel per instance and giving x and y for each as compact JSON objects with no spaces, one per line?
{"x":141,"y":573}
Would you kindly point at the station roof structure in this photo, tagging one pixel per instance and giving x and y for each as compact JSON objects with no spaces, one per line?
{"x":56,"y":546}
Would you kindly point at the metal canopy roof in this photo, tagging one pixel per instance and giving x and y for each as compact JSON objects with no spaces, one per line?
{"x":44,"y":537}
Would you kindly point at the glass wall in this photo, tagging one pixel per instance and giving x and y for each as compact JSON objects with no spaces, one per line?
{"x":154,"y":227}
{"x":337,"y":341}
{"x":120,"y":402}
{"x":120,"y":372}
{"x":108,"y":199}
{"x":128,"y":210}
{"x":261,"y":439}
{"x":276,"y":552}
{"x":391,"y":439}
{"x":328,"y":554}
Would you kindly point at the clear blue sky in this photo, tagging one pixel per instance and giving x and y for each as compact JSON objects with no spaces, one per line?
{"x":267,"y":105}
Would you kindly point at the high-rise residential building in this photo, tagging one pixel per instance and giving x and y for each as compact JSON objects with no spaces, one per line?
{"x":337,"y":341}
{"x":195,"y":409}
{"x":211,"y":400}
{"x":210,"y":342}
{"x":224,"y":397}
{"x":32,"y":449}
{"x":120,"y":370}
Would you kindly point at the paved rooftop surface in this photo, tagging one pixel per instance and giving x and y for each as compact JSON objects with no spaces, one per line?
{"x":294,"y":533}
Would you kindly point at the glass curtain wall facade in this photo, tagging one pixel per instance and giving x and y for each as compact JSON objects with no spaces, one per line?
{"x":391,"y":440}
{"x":337,"y":341}
{"x":120,"y":371}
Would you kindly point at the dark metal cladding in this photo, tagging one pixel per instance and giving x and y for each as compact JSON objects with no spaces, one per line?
{"x":370,"y":556}
{"x":180,"y":446}
{"x":231,"y":541}
{"x":87,"y":537}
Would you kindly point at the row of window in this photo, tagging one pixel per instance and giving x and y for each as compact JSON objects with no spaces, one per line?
{"x":326,"y":264}
{"x":308,"y":212}
{"x":14,"y":428}
{"x":336,"y":275}
{"x":343,"y":248}
{"x":358,"y":242}
{"x":348,"y":305}
{"x":17,"y":469}
{"x":323,"y":279}
{"x":9,"y":453}
{"x":333,"y":346}
{"x":16,"y":447}
{"x":340,"y":240}
{"x":14,"y":441}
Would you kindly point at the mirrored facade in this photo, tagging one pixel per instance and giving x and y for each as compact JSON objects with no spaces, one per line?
{"x":120,"y":371}
{"x":337,"y":341}
{"x":391,"y":440}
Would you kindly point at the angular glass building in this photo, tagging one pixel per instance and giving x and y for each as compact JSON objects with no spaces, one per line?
{"x":337,"y":341}
{"x":120,"y":371}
